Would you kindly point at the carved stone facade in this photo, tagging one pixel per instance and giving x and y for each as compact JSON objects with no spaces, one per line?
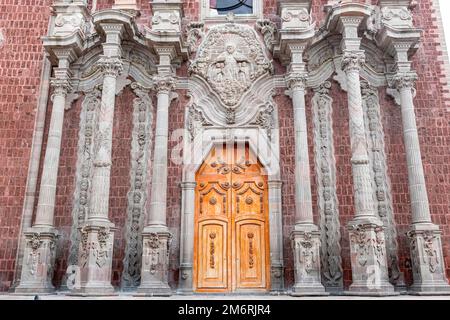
{"x":306,"y":91}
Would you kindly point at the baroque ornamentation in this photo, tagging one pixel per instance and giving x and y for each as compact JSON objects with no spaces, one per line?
{"x":326,"y":183}
{"x":110,"y":66}
{"x":34,"y":257}
{"x":359,"y":239}
{"x":141,"y":146}
{"x":163,"y":84}
{"x":381,"y":183}
{"x":195,"y":121}
{"x":88,"y":124}
{"x":305,"y":249}
{"x":251,"y":259}
{"x":194,"y":35}
{"x":60,"y":87}
{"x":265,"y":118}
{"x":268,"y":30}
{"x":212,"y":250}
{"x":352,"y":60}
{"x":152,"y":258}
{"x":296,"y":81}
{"x":403,"y":80}
{"x":230,"y":59}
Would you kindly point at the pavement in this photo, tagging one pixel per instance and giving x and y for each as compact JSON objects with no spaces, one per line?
{"x":124,"y":296}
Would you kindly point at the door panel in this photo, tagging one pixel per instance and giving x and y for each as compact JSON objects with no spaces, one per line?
{"x":231,"y":248}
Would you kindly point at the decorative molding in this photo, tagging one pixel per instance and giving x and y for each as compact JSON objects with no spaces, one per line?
{"x":381,"y":182}
{"x":194,"y":35}
{"x":163,"y":83}
{"x":352,"y":60}
{"x":265,"y":118}
{"x":325,"y":165}
{"x":195,"y":121}
{"x":268,"y":29}
{"x":141,"y":146}
{"x":88,"y":126}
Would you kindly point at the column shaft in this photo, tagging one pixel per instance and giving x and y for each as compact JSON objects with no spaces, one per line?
{"x":303,"y":202}
{"x":47,"y":194}
{"x":158,"y":196}
{"x":102,"y":163}
{"x":417,"y":188}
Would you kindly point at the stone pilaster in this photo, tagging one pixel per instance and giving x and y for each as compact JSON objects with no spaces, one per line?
{"x":97,"y":237}
{"x":187,"y":242}
{"x":367,"y":244}
{"x":156,"y":236}
{"x":305,"y":236}
{"x":425,"y":237}
{"x":39,"y":253}
{"x":141,"y":147}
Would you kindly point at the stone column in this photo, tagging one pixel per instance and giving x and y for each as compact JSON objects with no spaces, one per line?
{"x":156,"y":235}
{"x":39,"y":253}
{"x":187,"y":238}
{"x":97,"y":237}
{"x":367,"y":243}
{"x":305,"y":236}
{"x":425,"y":237}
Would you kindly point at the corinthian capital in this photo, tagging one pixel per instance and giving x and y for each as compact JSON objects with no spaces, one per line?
{"x":352,"y":60}
{"x":403,"y":80}
{"x":111,"y":66}
{"x":296,"y":81}
{"x":60,"y":86}
{"x":163,"y":84}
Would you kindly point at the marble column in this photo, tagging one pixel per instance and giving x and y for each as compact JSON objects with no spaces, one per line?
{"x":367,"y":242}
{"x":425,"y":237}
{"x":305,"y":236}
{"x":187,"y":238}
{"x":39,"y":252}
{"x":156,"y":235}
{"x":97,"y":233}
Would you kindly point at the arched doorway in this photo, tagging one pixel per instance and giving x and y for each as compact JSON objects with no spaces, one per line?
{"x":231,"y":233}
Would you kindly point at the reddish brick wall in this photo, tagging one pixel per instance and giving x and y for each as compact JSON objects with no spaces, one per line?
{"x":21,"y":55}
{"x":20,"y":65}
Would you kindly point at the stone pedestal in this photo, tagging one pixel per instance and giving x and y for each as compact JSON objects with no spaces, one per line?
{"x":155,"y":263}
{"x":38,"y":262}
{"x":95,"y":260}
{"x":427,"y":261}
{"x":368,"y":259}
{"x":306,"y":247}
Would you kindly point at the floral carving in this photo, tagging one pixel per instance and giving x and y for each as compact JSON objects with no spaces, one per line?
{"x":141,"y":146}
{"x":152,"y":246}
{"x":230,"y":59}
{"x":212,"y":250}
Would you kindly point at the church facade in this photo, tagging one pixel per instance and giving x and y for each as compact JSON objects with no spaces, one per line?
{"x":215,"y":146}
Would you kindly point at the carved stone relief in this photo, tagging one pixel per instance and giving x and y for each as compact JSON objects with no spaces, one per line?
{"x":141,"y":147}
{"x":265,"y":117}
{"x":88,"y":125}
{"x":381,"y":183}
{"x":326,"y":185}
{"x":230,"y":59}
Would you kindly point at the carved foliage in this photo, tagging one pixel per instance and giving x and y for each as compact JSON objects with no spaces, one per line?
{"x":268,"y":30}
{"x":95,"y":249}
{"x":381,"y":184}
{"x":195,"y":121}
{"x":230,"y":59}
{"x":88,"y":124}
{"x":141,"y":146}
{"x":40,"y":252}
{"x":326,"y":184}
{"x":265,"y":118}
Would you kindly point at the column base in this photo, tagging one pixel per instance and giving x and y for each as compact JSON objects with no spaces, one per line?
{"x":155,"y":262}
{"x":38,"y":261}
{"x":185,"y":285}
{"x":368,"y":259}
{"x":306,"y":247}
{"x":95,"y":260}
{"x":427,"y":261}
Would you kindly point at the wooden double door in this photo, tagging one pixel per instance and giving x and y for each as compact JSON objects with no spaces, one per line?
{"x":231,"y":241}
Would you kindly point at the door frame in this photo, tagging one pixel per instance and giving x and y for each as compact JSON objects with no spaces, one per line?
{"x":267,"y":152}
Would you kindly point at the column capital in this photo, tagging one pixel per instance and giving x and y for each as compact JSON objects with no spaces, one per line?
{"x":296,"y":80}
{"x":60,"y":86}
{"x":163,"y":84}
{"x":403,"y":80}
{"x":352,"y":60}
{"x":111,"y":66}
